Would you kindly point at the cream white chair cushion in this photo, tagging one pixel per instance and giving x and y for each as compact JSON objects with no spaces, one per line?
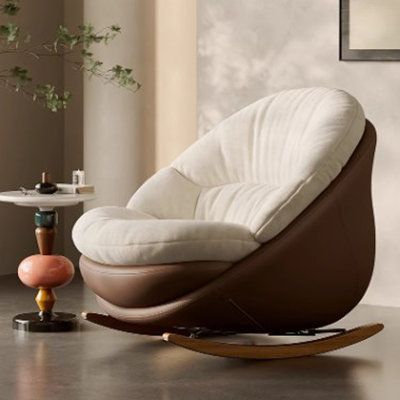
{"x":238,"y":186}
{"x":117,"y":235}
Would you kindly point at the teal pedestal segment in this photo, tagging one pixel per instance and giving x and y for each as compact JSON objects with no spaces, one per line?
{"x":46,"y":219}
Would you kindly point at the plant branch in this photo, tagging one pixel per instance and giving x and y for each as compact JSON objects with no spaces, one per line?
{"x":74,"y":48}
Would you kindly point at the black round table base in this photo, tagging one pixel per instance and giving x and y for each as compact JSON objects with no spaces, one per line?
{"x":56,"y":322}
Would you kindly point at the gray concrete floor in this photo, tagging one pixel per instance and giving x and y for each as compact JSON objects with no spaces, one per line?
{"x":97,"y":363}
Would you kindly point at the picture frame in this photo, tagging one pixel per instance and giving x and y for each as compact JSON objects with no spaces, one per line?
{"x":346,"y":53}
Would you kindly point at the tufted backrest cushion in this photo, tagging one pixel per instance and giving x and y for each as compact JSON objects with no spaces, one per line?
{"x":262,"y":166}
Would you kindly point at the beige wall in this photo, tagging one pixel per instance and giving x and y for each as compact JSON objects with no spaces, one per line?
{"x":127,"y":136}
{"x":249,"y":49}
{"x":73,"y":129}
{"x":175,"y":78}
{"x":115,"y":120}
{"x":31,"y":137}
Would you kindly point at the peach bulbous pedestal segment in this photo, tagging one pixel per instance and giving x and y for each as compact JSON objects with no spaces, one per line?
{"x":45,"y":271}
{"x":48,"y":271}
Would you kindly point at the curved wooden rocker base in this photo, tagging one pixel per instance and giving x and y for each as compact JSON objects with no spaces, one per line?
{"x":181,"y":337}
{"x":269,"y":352}
{"x":148,"y":330}
{"x":113,"y":323}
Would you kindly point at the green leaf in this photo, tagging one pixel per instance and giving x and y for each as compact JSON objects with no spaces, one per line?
{"x":21,"y":74}
{"x":123,"y":77}
{"x":10,"y":7}
{"x":115,"y":28}
{"x":9,"y":32}
{"x":52,"y":100}
{"x":63,"y":36}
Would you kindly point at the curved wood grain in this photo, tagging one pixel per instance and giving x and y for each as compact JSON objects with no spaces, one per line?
{"x":266,"y":352}
{"x":110,"y":322}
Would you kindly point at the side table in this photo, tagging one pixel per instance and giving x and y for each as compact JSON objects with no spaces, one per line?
{"x":45,"y":271}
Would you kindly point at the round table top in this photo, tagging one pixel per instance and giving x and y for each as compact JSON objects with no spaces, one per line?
{"x":44,"y":201}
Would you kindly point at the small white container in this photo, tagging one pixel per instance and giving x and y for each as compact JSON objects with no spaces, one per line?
{"x":78,"y":177}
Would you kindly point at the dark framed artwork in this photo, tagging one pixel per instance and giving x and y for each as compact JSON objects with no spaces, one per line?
{"x":369,"y":30}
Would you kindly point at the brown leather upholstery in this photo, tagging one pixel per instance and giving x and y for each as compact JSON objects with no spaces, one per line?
{"x":310,"y":275}
{"x":150,"y":285}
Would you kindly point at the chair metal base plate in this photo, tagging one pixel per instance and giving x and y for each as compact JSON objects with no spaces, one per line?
{"x":56,"y":322}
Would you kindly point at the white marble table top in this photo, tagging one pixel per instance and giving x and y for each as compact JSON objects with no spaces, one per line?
{"x":44,"y":201}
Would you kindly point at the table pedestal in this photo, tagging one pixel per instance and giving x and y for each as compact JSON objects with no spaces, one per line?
{"x":45,"y":271}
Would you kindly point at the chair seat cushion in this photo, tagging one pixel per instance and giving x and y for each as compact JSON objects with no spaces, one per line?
{"x":122,"y":236}
{"x":262,"y":166}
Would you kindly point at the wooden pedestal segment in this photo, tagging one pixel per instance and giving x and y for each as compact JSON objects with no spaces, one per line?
{"x":45,"y":299}
{"x":45,"y":239}
{"x":45,"y":232}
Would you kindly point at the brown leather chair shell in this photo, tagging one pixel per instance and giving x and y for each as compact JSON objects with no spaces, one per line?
{"x":149,"y":285}
{"x":310,"y":275}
